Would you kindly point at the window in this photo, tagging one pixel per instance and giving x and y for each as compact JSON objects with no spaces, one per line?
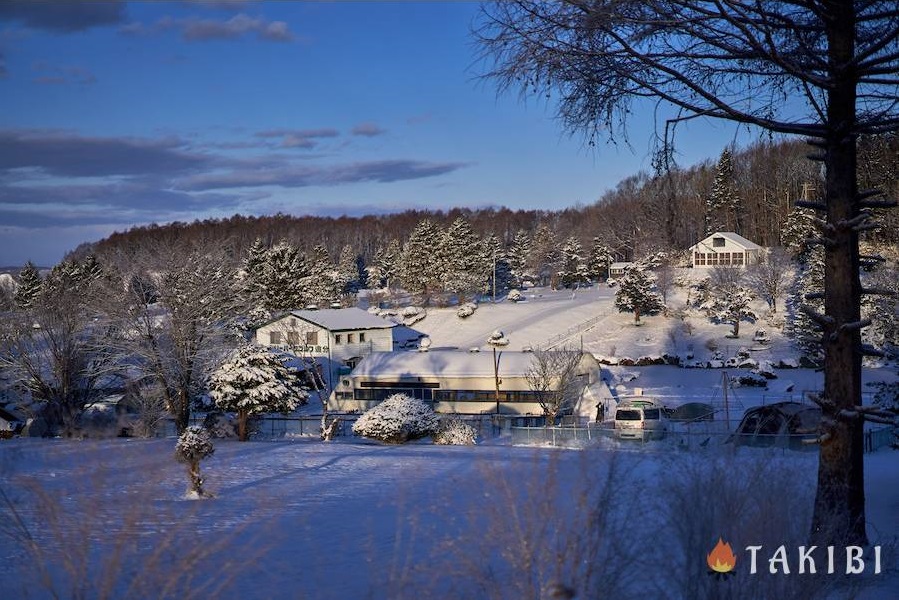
{"x":712,"y":258}
{"x":724,"y":258}
{"x":293,"y":322}
{"x":274,"y":338}
{"x":338,"y":339}
{"x":351,"y":338}
{"x":311,"y":338}
{"x":700,"y":258}
{"x":718,"y":242}
{"x":737,"y":258}
{"x":361,"y":337}
{"x":293,"y":338}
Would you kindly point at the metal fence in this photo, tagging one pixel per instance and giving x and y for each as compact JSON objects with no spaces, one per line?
{"x":580,"y":327}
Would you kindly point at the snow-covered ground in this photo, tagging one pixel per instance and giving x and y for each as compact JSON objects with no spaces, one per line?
{"x":349,"y":519}
{"x":352,"y":519}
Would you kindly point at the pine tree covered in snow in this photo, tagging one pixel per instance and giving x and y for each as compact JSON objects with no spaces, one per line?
{"x":599,"y":260}
{"x":543,"y":260}
{"x":320,"y":285}
{"x":518,"y":257}
{"x":882,"y":309}
{"x":729,"y":300}
{"x":723,"y":206}
{"x":194,"y":445}
{"x":807,"y":291}
{"x":383,"y":269}
{"x":418,"y":268}
{"x":463,"y":268}
{"x":497,"y":265}
{"x":636,"y":293}
{"x":30,"y":284}
{"x":272,"y":277}
{"x":348,"y":277}
{"x":396,"y":420}
{"x":255,"y":381}
{"x":573,"y":271}
{"x":798,"y":230}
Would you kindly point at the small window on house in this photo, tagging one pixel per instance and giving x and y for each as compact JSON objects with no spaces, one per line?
{"x":338,"y":338}
{"x":293,"y":338}
{"x":293,"y":322}
{"x":724,"y":258}
{"x":700,"y":258}
{"x":361,"y":337}
{"x":351,"y":338}
{"x":274,"y":338}
{"x":712,"y":258}
{"x":737,"y":258}
{"x":718,"y":242}
{"x":311,"y":338}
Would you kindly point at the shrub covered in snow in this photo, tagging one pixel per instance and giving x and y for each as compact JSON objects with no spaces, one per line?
{"x":412,"y":315}
{"x":498,"y":338}
{"x":193,"y":446}
{"x":466,"y":310}
{"x":396,"y":420}
{"x":454,"y":432}
{"x":515,"y":296}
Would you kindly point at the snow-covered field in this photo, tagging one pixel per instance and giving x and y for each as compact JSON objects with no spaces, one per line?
{"x":348,"y":519}
{"x":352,"y":519}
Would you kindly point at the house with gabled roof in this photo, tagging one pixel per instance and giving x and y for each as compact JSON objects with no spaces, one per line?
{"x":340,"y":337}
{"x":724,"y":248}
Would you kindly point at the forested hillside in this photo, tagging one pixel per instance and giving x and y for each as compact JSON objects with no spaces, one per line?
{"x":749,"y":191}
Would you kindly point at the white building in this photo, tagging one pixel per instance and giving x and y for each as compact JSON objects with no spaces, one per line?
{"x":617,"y":269}
{"x":334,"y":337}
{"x":724,"y":249}
{"x":456,"y":382}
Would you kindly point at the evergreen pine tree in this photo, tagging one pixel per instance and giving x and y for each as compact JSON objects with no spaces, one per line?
{"x":255,"y":381}
{"x":573,"y":270}
{"x":599,"y":260}
{"x":636,"y":294}
{"x":278,"y":284}
{"x":518,"y":257}
{"x":319,"y":285}
{"x":348,"y":277}
{"x":723,"y":205}
{"x":497,"y":265}
{"x":30,"y":284}
{"x":728,"y":299}
{"x":417,"y":267}
{"x":797,"y":230}
{"x":544,"y":256}
{"x":463,"y":268}
{"x":807,"y":292}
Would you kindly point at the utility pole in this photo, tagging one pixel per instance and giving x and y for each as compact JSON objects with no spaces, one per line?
{"x":496,"y":378}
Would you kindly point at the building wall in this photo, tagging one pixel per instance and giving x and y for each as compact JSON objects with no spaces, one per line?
{"x":707,"y":255}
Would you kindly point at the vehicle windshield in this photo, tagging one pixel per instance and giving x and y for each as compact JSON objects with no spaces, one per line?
{"x":627,"y":415}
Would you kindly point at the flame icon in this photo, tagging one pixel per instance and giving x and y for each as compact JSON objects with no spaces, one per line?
{"x":721,"y":559}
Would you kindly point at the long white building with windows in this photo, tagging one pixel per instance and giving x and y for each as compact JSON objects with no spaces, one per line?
{"x":724,"y":249}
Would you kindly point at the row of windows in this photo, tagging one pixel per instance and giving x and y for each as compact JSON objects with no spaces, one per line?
{"x":719,"y":258}
{"x":350,"y":338}
{"x":276,"y":338}
{"x":429,"y":394}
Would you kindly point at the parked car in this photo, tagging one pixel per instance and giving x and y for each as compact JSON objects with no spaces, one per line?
{"x":640,"y":422}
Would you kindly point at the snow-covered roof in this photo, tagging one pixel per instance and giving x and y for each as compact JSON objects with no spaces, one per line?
{"x":342,"y":319}
{"x":730,"y":236}
{"x":442,"y":363}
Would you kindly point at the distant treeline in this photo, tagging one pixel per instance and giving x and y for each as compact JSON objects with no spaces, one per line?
{"x":645,"y":213}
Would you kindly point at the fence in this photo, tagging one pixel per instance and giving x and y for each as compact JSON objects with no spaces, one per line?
{"x":883,"y":437}
{"x":580,"y":327}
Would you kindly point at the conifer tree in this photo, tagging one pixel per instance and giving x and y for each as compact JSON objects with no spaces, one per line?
{"x":278,"y":284}
{"x":519,"y":254}
{"x":497,"y":265}
{"x":799,"y":231}
{"x":30,"y":284}
{"x":599,"y":260}
{"x":383,"y":269}
{"x":255,"y":381}
{"x":729,"y":299}
{"x":319,"y":285}
{"x":544,"y":255}
{"x":723,"y":203}
{"x":418,"y":265}
{"x":348,"y":276}
{"x":463,"y":268}
{"x":573,"y":270}
{"x":636,"y":294}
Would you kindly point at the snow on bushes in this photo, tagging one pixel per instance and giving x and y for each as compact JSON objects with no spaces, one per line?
{"x":498,"y":338}
{"x":466,"y":310}
{"x":454,"y":432}
{"x":515,"y":296}
{"x":396,"y":420}
{"x":412,"y":315}
{"x":193,"y":446}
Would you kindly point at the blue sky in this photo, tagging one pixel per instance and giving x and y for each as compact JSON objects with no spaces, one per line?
{"x":118,"y":114}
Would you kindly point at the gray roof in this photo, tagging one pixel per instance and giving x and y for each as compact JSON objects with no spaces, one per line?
{"x":343,"y":319}
{"x":442,"y":363}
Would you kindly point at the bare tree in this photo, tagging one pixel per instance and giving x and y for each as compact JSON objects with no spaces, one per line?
{"x":180,"y":332}
{"x":768,"y":276}
{"x":553,"y":377}
{"x":824,"y":69}
{"x":53,"y":350}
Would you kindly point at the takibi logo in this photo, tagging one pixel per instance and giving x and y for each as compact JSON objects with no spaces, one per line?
{"x":721,"y":559}
{"x":809,"y":559}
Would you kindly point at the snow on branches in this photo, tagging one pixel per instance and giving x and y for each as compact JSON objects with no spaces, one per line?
{"x":396,"y":420}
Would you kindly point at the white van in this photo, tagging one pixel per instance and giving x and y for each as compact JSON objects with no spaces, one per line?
{"x":640,"y":421}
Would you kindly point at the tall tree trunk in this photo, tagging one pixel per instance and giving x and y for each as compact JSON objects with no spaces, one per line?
{"x":242,"y":433}
{"x":839,"y":513}
{"x":182,"y":411}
